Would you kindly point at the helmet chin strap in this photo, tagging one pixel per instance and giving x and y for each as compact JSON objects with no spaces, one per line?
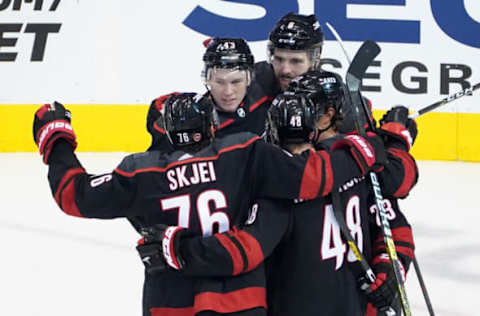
{"x":319,"y":131}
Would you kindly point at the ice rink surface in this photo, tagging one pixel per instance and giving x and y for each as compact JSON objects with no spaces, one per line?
{"x":53,"y":264}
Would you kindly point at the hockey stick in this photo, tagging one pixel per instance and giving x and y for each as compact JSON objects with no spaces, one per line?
{"x":414,"y":115}
{"x":450,"y":98}
{"x":338,"y":213}
{"x":423,"y":287}
{"x":338,"y":207}
{"x":339,"y":40}
{"x":367,"y":52}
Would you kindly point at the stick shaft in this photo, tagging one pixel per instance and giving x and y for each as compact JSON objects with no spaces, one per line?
{"x":448,"y":99}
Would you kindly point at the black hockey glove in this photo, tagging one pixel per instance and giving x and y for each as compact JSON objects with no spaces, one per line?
{"x":383,"y":291}
{"x":396,"y":126}
{"x":155,"y":122}
{"x":159,"y":246}
{"x":369,"y":152}
{"x":50,"y":123}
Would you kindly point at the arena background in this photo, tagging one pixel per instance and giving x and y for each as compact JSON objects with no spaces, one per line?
{"x":106,"y":60}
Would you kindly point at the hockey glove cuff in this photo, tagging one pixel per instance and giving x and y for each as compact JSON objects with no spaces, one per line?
{"x":369,"y":153}
{"x":52,"y":122}
{"x":397,"y":127}
{"x":383,"y":291}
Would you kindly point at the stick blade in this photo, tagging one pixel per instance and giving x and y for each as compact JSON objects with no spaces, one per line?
{"x":364,"y":57}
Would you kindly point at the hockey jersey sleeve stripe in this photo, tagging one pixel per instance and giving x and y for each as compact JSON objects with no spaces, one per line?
{"x":327,"y":188}
{"x":65,"y":195}
{"x":411,"y":171}
{"x":258,"y":103}
{"x":130,"y":174}
{"x":66,"y":198}
{"x":170,"y":311}
{"x":250,"y":247}
{"x":318,"y":164}
{"x":403,"y":240}
{"x":231,"y":302}
{"x":232,"y":249}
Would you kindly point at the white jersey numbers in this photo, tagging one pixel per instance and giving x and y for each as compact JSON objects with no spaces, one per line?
{"x":332,"y":245}
{"x":95,"y":182}
{"x":207,"y":219}
{"x":387,"y":206}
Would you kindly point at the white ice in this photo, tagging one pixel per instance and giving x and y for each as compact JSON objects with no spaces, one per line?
{"x":53,"y":264}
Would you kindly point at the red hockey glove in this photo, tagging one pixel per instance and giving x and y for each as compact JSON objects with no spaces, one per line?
{"x":52,"y":122}
{"x":396,"y":126}
{"x":369,"y":152}
{"x":159,"y":248}
{"x":383,"y":291}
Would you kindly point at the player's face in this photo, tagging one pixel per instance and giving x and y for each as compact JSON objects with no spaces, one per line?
{"x":288,"y":64}
{"x":228,"y":87}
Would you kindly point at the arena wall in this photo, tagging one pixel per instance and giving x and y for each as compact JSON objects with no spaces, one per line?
{"x":106,"y":60}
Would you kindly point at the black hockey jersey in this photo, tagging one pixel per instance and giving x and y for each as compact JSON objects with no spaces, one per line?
{"x":207,"y":192}
{"x":309,"y":266}
{"x":250,"y":116}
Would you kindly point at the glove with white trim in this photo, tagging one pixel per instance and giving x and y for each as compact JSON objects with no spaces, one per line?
{"x":383,"y":291}
{"x":52,"y":122}
{"x":159,"y":248}
{"x":368,"y":152}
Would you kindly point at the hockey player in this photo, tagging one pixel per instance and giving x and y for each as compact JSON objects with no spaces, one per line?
{"x":310,"y":274}
{"x":204,"y":185}
{"x":294,"y":47}
{"x":227,"y":74}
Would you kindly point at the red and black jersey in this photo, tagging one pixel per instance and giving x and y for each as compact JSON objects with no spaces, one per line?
{"x":207,"y":192}
{"x":233,"y":171}
{"x":308,"y":266}
{"x":250,"y":116}
{"x":400,"y":173}
{"x":309,"y":269}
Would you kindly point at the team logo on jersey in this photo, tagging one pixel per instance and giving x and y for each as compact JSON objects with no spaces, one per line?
{"x":253,"y":214}
{"x":241,"y":112}
{"x":197,"y":137}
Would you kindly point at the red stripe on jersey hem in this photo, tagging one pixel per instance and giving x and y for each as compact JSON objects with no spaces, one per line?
{"x":406,"y":251}
{"x":231,"y":302}
{"x":403,"y":234}
{"x":226,"y":123}
{"x":251,"y":247}
{"x":410,"y":171}
{"x":400,"y":234}
{"x":258,"y":103}
{"x":173,"y":164}
{"x":312,"y":176}
{"x":233,"y":251}
{"x":67,"y":196}
{"x":165,"y":311}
